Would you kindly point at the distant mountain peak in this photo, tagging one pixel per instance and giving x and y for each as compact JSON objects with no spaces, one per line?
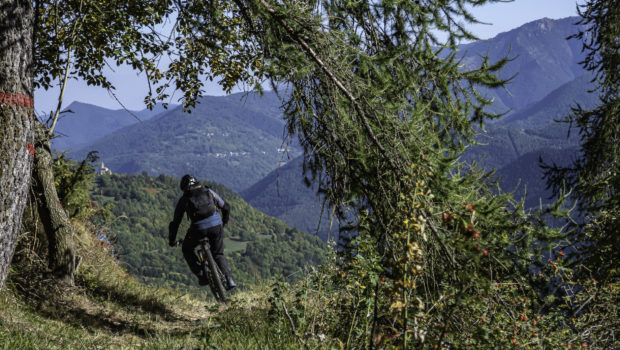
{"x":547,"y":24}
{"x":542,"y":59}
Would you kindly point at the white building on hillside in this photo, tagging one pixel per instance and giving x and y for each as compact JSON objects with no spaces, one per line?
{"x":104,"y":170}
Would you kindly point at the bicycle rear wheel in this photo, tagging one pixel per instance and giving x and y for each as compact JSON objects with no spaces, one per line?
{"x":216,"y":285}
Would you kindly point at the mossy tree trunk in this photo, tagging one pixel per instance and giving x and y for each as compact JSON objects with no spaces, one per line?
{"x":16,"y":121}
{"x":54,"y":218}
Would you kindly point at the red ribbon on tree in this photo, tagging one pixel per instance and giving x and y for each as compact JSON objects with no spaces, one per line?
{"x":30,"y":148}
{"x":19,"y":100}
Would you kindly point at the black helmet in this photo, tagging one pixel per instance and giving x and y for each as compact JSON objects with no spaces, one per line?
{"x":188,"y":181}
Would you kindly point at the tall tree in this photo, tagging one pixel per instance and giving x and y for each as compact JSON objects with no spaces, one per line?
{"x":595,"y":175}
{"x":16,"y":121}
{"x":77,"y":39}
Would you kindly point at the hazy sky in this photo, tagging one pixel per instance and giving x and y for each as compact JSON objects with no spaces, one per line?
{"x":131,"y":88}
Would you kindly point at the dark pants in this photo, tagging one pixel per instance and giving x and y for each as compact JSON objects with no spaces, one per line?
{"x":216,"y":241}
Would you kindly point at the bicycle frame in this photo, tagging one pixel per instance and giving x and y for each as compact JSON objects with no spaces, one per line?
{"x":212,"y":271}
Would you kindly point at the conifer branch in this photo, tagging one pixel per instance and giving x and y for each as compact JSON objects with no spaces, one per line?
{"x":332,"y":77}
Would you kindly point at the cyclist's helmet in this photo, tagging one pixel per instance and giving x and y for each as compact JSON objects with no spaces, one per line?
{"x":187,"y":181}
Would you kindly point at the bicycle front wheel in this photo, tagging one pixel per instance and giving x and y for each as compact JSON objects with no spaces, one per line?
{"x":216,"y":285}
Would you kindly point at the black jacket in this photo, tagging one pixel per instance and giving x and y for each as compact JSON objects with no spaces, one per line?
{"x":181,"y":209}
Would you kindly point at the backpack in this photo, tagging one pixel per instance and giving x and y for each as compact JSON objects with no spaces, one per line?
{"x":200,"y":204}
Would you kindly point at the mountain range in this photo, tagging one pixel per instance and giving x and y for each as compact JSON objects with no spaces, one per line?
{"x":234,"y":140}
{"x":237,"y":140}
{"x":541,"y":60}
{"x":80,"y":124}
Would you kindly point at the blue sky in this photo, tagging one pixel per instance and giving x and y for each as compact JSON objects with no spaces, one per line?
{"x":131,"y":87}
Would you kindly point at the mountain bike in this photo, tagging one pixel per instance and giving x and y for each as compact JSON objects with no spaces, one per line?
{"x":210,"y":270}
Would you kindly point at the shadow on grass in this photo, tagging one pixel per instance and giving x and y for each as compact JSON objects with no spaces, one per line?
{"x":141,"y":315}
{"x":100,"y":319}
{"x":128,"y":299}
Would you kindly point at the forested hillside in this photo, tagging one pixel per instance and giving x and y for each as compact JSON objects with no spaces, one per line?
{"x":233,"y":140}
{"x":284,"y":194}
{"x":556,"y":105}
{"x":258,"y":246}
{"x":81,"y":124}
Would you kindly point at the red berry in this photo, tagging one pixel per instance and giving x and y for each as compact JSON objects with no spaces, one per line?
{"x":382,"y":278}
{"x":476,"y":235}
{"x":561,"y":253}
{"x":444,"y":216}
{"x":470,"y":208}
{"x":583,"y":345}
{"x":485,"y":252}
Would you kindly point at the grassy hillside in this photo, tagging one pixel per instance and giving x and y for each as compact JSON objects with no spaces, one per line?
{"x":258,"y":246}
{"x":109,"y":309}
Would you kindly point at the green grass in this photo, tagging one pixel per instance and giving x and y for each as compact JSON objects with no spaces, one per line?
{"x":231,"y":245}
{"x":110,"y":309}
{"x":245,"y":324}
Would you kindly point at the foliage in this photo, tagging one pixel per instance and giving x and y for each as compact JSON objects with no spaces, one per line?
{"x":197,"y":40}
{"x":332,"y":303}
{"x":74,"y":181}
{"x":595,"y":174}
{"x":143,"y":206}
{"x":382,"y":115}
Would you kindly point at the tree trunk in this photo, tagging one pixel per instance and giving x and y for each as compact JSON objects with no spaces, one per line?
{"x":55,"y":220}
{"x":16,"y":121}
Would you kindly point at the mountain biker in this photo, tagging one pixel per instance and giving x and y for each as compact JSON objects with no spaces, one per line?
{"x":201,"y":204}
